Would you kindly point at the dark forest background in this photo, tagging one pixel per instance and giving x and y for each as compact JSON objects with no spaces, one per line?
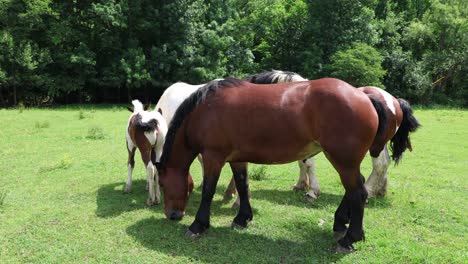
{"x":58,"y":52}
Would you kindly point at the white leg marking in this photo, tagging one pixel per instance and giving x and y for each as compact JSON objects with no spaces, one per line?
{"x":303,"y":181}
{"x":150,"y":178}
{"x":314,"y":187}
{"x":128,"y":186}
{"x":156,"y":187}
{"x":376,"y":184}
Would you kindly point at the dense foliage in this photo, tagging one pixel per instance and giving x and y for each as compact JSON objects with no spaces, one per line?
{"x":113,"y":50}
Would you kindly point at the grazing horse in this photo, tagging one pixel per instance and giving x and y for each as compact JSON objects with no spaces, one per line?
{"x":400,"y":123}
{"x":237,"y":122}
{"x":147,"y":131}
{"x":175,"y":94}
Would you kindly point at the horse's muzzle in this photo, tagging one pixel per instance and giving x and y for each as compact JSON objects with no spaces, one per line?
{"x":174,"y":215}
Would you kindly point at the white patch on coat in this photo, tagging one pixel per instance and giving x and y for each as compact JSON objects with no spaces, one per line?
{"x":388,"y":99}
{"x":173,"y":97}
{"x":282,"y":77}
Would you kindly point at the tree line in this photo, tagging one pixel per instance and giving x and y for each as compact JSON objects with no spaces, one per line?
{"x":115,"y":50}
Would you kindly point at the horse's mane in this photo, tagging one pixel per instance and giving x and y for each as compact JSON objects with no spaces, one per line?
{"x":274,"y":76}
{"x":187,"y":107}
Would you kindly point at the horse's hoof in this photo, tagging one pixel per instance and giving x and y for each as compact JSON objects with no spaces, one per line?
{"x":150,"y":202}
{"x":235,"y":225}
{"x":310,"y":197}
{"x":338,"y":235}
{"x":343,"y":250}
{"x":192,"y":235}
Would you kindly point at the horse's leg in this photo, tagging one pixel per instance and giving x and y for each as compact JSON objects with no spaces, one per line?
{"x":356,"y":195}
{"x":342,"y":218}
{"x":352,"y":204}
{"x":200,"y":159}
{"x":230,"y":190}
{"x":131,"y":164}
{"x":239,"y":170}
{"x":211,"y":170}
{"x":376,"y":184}
{"x":302,"y":182}
{"x":155,"y":157}
{"x":150,"y":170}
{"x":314,"y":187}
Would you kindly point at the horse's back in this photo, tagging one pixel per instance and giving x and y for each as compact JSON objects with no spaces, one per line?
{"x":282,"y":122}
{"x":173,"y":96}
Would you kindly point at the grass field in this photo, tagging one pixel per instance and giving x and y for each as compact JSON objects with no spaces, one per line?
{"x":62,"y":173}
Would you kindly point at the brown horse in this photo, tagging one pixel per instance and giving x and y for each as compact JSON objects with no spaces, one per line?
{"x":238,"y":122}
{"x":400,"y":122}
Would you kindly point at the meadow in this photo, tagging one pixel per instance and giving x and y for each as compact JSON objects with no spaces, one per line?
{"x":63,"y":170}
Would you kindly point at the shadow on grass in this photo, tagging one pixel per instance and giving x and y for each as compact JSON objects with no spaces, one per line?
{"x":112,"y":201}
{"x":225,"y":245}
{"x":379,"y":203}
{"x":288,"y":197}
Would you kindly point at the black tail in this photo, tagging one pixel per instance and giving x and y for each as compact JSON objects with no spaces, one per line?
{"x":381,"y":112}
{"x":401,"y":141}
{"x":148,"y":126}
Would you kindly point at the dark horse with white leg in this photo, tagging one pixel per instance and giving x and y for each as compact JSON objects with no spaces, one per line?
{"x":238,"y":122}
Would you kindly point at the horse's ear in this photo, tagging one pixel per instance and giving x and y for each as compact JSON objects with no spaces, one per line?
{"x":130,"y":109}
{"x":160,"y":110}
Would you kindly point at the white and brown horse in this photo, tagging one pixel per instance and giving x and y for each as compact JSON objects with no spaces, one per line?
{"x":237,"y":122}
{"x":146,"y":130}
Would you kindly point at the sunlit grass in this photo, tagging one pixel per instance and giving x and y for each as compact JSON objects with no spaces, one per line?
{"x":62,"y":200}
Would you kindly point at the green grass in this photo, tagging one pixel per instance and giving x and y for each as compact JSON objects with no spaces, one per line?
{"x":62,"y":201}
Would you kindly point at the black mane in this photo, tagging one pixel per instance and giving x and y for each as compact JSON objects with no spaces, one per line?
{"x":187,"y":107}
{"x":270,"y":77}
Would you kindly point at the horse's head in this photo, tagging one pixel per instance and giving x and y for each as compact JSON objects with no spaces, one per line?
{"x":177,"y":186}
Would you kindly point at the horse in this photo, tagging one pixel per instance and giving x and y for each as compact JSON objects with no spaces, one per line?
{"x":401,"y":122}
{"x":175,"y":94}
{"x":237,"y":122}
{"x":145,"y":131}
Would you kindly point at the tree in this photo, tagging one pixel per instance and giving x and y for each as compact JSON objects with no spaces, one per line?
{"x":360,"y":65}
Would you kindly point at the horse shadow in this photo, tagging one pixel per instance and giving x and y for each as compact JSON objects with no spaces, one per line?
{"x":226,"y":245}
{"x":297,"y":199}
{"x":112,"y":201}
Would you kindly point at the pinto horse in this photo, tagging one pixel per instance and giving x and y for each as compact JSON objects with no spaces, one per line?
{"x":147,"y":131}
{"x":400,"y":123}
{"x":237,"y":122}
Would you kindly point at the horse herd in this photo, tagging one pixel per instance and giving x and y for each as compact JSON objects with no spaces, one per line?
{"x":268,"y":118}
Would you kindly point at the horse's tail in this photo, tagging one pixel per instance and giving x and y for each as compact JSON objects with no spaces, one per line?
{"x":137,"y":106}
{"x":401,"y":141}
{"x":381,"y":112}
{"x":379,"y":140}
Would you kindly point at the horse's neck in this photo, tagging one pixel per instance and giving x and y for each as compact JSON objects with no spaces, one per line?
{"x":181,"y":155}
